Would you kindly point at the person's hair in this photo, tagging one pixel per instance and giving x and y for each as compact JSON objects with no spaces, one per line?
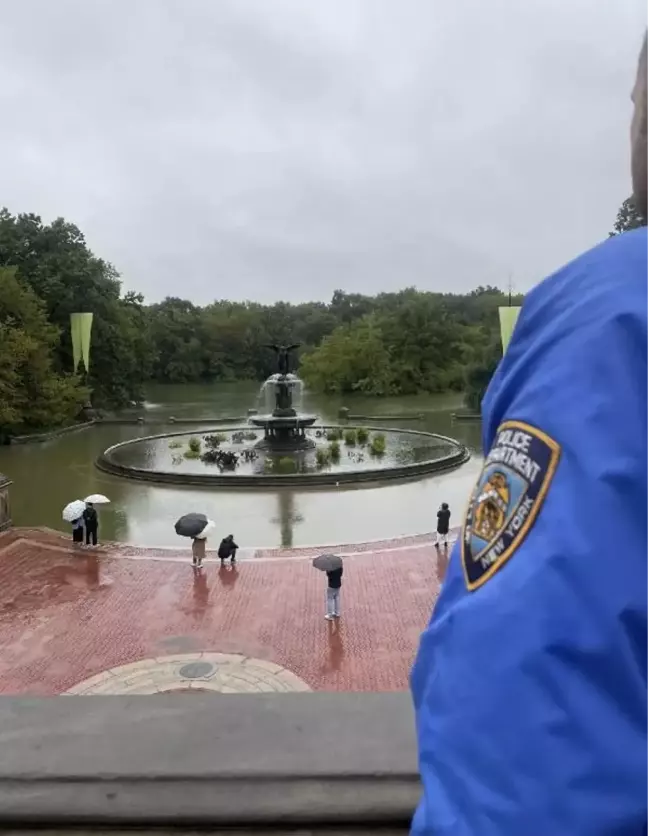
{"x":444,"y":505}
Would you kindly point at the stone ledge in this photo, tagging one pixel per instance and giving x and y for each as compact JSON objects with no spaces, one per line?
{"x":317,"y":760}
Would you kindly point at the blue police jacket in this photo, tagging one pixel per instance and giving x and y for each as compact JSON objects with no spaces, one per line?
{"x":530,"y":681}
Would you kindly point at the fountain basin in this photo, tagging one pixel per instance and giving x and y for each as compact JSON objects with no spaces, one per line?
{"x":410,"y":454}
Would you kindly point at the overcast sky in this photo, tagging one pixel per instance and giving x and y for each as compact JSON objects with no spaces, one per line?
{"x":268,"y":149}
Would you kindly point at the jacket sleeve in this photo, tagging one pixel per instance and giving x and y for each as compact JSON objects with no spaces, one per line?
{"x":530,"y":682}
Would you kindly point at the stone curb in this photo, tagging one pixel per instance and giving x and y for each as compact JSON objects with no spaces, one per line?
{"x":329,"y":759}
{"x":314,"y":481}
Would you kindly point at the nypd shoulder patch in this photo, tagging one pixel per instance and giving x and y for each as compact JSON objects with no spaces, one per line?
{"x":507,"y":498}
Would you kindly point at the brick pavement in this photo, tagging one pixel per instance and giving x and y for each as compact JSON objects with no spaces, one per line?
{"x":67,"y":616}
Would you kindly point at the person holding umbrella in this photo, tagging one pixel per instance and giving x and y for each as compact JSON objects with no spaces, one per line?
{"x":73,"y":514}
{"x":90,"y":517}
{"x":197,"y":527}
{"x":332,"y":565}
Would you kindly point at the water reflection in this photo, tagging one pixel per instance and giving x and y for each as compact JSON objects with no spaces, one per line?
{"x":228,"y":575}
{"x":200,"y":593}
{"x":287,"y":518}
{"x":335,"y":646}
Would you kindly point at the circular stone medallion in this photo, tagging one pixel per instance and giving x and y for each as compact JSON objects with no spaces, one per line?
{"x":224,"y":673}
{"x":196,"y":670}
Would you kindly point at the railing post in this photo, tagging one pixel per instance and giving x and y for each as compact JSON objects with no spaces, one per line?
{"x":5,"y":508}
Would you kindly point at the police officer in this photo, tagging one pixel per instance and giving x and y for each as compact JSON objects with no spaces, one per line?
{"x":530,"y":682}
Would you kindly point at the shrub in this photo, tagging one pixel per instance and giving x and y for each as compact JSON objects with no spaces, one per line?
{"x":322,"y":456}
{"x":286,"y":465}
{"x":214,"y":441}
{"x":174,"y":444}
{"x":194,"y":444}
{"x":350,"y":438}
{"x":334,"y":434}
{"x":378,"y":445}
{"x":362,"y":435}
{"x":334,"y":450}
{"x":192,"y":454}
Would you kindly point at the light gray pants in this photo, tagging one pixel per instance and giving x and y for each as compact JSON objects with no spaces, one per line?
{"x":332,"y":601}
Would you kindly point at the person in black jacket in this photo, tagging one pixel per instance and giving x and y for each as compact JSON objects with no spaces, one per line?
{"x":227,"y":549}
{"x":334,"y":578}
{"x":91,"y":522}
{"x":443,"y":525}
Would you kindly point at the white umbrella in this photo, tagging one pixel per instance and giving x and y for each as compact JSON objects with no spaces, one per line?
{"x":73,"y":510}
{"x":211,"y":525}
{"x":97,"y":499}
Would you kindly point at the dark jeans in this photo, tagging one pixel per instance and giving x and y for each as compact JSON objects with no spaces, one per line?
{"x":231,"y":556}
{"x":91,"y":534}
{"x":77,"y":535}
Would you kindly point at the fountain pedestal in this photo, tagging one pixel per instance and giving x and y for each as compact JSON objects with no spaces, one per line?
{"x":284,"y":429}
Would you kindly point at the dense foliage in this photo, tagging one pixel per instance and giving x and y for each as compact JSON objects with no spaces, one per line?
{"x":32,"y":395}
{"x":393,"y":343}
{"x":54,"y":262}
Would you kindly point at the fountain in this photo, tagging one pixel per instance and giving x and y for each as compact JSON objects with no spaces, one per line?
{"x":284,"y":428}
{"x":291,"y":454}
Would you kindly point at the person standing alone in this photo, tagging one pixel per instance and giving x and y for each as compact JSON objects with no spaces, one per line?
{"x":443,"y":525}
{"x":91,"y":522}
{"x":334,"y":578}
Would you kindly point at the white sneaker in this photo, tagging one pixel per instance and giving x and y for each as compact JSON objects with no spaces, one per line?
{"x":329,"y":617}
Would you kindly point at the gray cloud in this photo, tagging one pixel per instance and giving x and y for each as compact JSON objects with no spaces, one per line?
{"x":270,"y":149}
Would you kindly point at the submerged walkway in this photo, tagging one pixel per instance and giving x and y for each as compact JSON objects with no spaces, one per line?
{"x":121,"y":619}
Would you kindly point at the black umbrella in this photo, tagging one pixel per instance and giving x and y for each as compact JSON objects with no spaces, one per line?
{"x":191,"y":525}
{"x":327,"y":562}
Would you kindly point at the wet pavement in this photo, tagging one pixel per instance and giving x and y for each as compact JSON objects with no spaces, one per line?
{"x":142,"y":621}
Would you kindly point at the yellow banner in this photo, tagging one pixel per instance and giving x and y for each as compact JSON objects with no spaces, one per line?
{"x":508,"y":318}
{"x":81,"y":326}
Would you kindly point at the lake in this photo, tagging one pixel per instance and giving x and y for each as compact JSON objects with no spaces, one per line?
{"x":48,"y":475}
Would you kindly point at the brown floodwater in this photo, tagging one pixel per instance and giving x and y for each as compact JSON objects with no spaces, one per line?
{"x":48,"y":475}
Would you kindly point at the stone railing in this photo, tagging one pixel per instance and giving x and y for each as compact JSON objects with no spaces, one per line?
{"x":5,"y":507}
{"x":283,"y":763}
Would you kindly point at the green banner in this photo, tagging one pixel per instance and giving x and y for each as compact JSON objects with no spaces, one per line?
{"x":508,"y":318}
{"x":81,"y":326}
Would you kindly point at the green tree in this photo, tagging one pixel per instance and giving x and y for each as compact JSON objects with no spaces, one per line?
{"x":55,"y":262}
{"x":352,"y":359}
{"x":478,"y":376}
{"x":32,"y":395}
{"x":628,"y":217}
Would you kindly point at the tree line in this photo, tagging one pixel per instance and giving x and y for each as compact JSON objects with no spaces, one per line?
{"x":393,"y":343}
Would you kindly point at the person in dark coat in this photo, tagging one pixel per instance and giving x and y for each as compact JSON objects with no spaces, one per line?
{"x":227,"y":549}
{"x":91,"y":522}
{"x":334,"y":578}
{"x":443,"y":525}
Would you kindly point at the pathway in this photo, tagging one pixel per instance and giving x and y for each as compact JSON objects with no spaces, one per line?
{"x":128,"y":620}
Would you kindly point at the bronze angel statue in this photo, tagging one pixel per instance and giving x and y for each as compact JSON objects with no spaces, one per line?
{"x":284,"y":353}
